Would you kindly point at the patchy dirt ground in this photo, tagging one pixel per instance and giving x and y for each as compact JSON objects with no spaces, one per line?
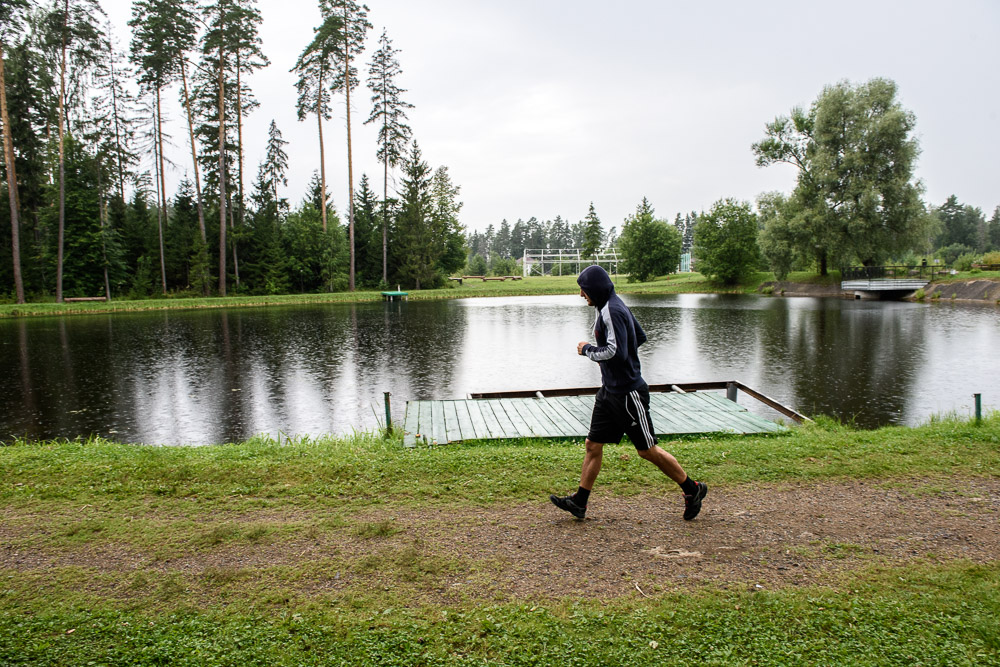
{"x":749,"y":537}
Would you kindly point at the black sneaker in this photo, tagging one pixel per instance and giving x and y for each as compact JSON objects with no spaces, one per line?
{"x":567,"y":503}
{"x":692,"y":503}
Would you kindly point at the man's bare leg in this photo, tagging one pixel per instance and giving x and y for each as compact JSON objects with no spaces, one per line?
{"x":663,"y":460}
{"x":592,"y":463}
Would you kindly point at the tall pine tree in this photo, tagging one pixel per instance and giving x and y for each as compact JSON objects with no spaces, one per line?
{"x":389,"y":111}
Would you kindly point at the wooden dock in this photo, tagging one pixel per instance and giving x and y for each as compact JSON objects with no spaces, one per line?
{"x":674,"y":413}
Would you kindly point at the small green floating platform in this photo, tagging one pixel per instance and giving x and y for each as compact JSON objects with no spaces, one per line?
{"x":568,"y":416}
{"x":391,"y":296}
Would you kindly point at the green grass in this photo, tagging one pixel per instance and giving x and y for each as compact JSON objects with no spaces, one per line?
{"x":690,"y":282}
{"x":353,"y":473}
{"x":920,"y":615}
{"x":672,"y":284}
{"x":88,"y":497}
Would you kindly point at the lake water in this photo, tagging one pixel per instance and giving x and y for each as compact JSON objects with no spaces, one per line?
{"x":207,"y":376}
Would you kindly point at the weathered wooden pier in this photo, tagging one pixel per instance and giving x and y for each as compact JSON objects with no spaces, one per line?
{"x":676,"y":409}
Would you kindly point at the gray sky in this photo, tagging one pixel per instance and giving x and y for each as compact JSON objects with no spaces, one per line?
{"x":539,"y":107}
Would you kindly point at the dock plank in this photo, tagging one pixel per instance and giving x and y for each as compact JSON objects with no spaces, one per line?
{"x":465,"y":420}
{"x":492,"y":423}
{"x":425,"y":426}
{"x":539,"y":428}
{"x":515,"y":417}
{"x":571,"y":420}
{"x":451,"y":424}
{"x":410,"y":425}
{"x":481,"y":430}
{"x":552,"y":426}
{"x":439,"y":435}
{"x":569,"y":417}
{"x":563,"y":425}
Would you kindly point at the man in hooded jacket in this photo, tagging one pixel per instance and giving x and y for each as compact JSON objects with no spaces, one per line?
{"x":622,"y":403}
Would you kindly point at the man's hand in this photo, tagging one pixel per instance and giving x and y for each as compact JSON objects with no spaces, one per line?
{"x":580,"y":346}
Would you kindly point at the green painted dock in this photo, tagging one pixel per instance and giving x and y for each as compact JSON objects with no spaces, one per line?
{"x":440,"y":422}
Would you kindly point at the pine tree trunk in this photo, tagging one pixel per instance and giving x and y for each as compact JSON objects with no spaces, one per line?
{"x":194,"y":153}
{"x":350,"y":164}
{"x":8,"y":151}
{"x":385,"y":219}
{"x":239,"y":173}
{"x":236,"y":259}
{"x":222,"y":175}
{"x":322,"y":159}
{"x":104,"y":247}
{"x":114,"y":111}
{"x":162,"y":217}
{"x":239,"y":138}
{"x":204,"y":278}
{"x":62,"y":164}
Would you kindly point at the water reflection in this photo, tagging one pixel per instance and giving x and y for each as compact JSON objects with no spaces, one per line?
{"x":213,"y":376}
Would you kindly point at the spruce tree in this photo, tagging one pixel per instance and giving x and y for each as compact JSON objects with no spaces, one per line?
{"x":419,"y":249}
{"x":593,"y":234}
{"x":389,"y":111}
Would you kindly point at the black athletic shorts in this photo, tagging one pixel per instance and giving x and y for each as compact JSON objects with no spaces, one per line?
{"x":618,"y":414}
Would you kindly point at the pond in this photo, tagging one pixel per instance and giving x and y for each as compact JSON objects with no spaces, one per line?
{"x":208,"y":376}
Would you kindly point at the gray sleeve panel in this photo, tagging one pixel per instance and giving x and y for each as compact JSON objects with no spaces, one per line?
{"x":608,"y":351}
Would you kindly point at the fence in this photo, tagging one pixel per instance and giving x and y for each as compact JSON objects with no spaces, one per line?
{"x":566,"y":261}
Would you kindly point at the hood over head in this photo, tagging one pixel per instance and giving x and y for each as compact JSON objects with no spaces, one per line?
{"x":596,"y":282}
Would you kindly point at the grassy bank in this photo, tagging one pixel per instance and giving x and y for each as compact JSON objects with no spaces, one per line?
{"x":323,"y":551}
{"x":691,"y":282}
{"x":672,"y":284}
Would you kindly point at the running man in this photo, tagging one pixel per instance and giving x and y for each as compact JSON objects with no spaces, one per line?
{"x":622,"y":403}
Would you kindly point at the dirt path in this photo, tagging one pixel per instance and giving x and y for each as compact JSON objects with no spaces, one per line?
{"x":746,"y":537}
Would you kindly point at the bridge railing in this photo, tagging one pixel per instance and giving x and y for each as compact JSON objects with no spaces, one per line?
{"x":887,"y":272}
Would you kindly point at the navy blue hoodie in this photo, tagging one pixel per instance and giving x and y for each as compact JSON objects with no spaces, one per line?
{"x":617,"y":332}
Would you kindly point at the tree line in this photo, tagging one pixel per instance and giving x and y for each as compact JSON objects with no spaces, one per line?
{"x":84,"y":158}
{"x":855,"y":201}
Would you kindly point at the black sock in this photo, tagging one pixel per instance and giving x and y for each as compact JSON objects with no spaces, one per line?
{"x":689,"y":487}
{"x":581,"y":496}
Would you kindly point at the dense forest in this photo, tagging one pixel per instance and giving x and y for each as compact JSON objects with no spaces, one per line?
{"x":84,"y":160}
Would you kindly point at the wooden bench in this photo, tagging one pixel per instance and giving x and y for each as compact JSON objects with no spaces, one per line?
{"x":471,"y":277}
{"x":500,"y":278}
{"x":458,"y":279}
{"x":71,"y":299}
{"x":987,"y":267}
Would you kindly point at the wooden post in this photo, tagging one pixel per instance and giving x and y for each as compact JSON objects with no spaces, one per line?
{"x":731,"y":391}
{"x":979,"y":408}
{"x":388,"y":414}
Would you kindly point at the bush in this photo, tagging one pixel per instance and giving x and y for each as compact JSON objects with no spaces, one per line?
{"x":503,"y":266}
{"x":964,"y":262}
{"x":949,"y":254}
{"x":991,"y":258}
{"x":477,"y":265}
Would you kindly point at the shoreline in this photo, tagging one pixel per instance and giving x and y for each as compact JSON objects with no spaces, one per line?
{"x":964,"y":289}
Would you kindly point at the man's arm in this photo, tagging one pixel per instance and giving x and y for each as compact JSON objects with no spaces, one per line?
{"x":605,"y":352}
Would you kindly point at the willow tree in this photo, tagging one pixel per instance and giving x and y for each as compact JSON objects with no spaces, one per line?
{"x":855,"y":151}
{"x":10,"y":24}
{"x":315,"y":66}
{"x":389,"y":111}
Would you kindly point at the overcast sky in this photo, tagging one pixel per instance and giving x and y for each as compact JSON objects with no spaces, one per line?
{"x":539,"y":107}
